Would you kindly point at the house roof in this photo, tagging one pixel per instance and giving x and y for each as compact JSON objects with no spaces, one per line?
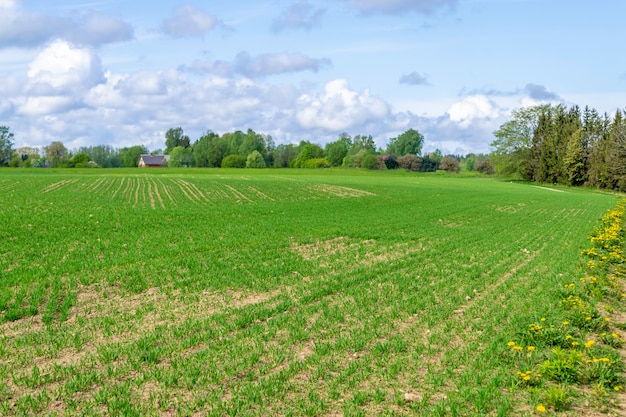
{"x":154,"y":159}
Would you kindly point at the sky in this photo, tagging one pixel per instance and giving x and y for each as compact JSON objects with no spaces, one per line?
{"x":120,"y":73}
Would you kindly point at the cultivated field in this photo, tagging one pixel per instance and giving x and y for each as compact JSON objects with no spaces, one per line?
{"x":276,"y":292}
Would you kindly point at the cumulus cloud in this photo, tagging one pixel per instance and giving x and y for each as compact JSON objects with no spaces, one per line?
{"x":26,"y":29}
{"x":425,"y":7}
{"x":260,"y":66}
{"x":65,"y":67}
{"x":339,"y":108}
{"x":188,"y":21}
{"x":473,"y":107}
{"x":414,"y":78}
{"x":300,"y":15}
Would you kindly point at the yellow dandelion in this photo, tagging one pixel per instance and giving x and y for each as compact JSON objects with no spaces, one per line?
{"x":589,"y":343}
{"x":518,"y":348}
{"x":530,"y":348}
{"x":618,"y":388}
{"x":541,"y":408}
{"x":607,"y":319}
{"x":543,"y":319}
{"x":575,"y":343}
{"x":511,"y":344}
{"x":565,"y":323}
{"x":605,"y":360}
{"x":568,"y":337}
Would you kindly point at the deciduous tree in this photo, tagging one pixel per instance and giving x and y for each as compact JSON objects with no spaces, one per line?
{"x":55,"y":153}
{"x":175,"y":137}
{"x":409,"y":142}
{"x":6,"y":145}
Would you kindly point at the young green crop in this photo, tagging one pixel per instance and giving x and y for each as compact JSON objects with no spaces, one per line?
{"x":263,"y":292}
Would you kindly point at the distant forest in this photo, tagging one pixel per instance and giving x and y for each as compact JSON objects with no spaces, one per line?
{"x":545,"y":143}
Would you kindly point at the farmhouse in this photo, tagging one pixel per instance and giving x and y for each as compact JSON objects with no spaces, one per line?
{"x":153,"y":161}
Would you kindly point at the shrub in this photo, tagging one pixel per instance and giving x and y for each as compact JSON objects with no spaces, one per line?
{"x":380,"y":161}
{"x":409,"y":162}
{"x":429,"y":164}
{"x":255,"y":160}
{"x":391,"y":162}
{"x":316,"y":163}
{"x":484,"y":167}
{"x":449,"y":164}
{"x":369,"y":161}
{"x":234,"y":161}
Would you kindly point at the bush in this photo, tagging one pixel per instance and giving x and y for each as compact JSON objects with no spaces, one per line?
{"x":255,"y":160}
{"x":409,"y":162}
{"x":316,"y":163}
{"x":15,"y":162}
{"x":391,"y":161}
{"x":234,"y":161}
{"x":484,"y":167}
{"x":429,"y":164}
{"x":449,"y":164}
{"x":369,"y":161}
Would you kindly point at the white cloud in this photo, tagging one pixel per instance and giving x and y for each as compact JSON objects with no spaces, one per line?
{"x":38,"y":106}
{"x":28,"y":29}
{"x":339,"y":109}
{"x":271,"y":64}
{"x":66,"y":67}
{"x":188,"y":21}
{"x":8,"y":4}
{"x":473,"y":107}
{"x":142,"y":83}
{"x":261,"y":65}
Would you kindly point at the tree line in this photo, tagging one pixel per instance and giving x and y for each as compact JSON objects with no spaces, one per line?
{"x":561,"y":145}
{"x":246,"y":149}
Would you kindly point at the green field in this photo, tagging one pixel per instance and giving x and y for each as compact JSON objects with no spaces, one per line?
{"x":276,"y":292}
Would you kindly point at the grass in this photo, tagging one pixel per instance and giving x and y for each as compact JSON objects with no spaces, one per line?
{"x":279,"y":292}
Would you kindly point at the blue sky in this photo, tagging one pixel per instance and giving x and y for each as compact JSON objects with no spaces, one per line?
{"x":121,"y":73}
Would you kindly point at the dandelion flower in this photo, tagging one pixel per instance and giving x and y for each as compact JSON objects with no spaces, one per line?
{"x":618,"y":388}
{"x":511,"y":344}
{"x":543,"y":319}
{"x":589,"y":343}
{"x":575,"y":343}
{"x":569,"y":336}
{"x":530,"y":348}
{"x":607,"y":319}
{"x":565,"y":323}
{"x":541,"y":408}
